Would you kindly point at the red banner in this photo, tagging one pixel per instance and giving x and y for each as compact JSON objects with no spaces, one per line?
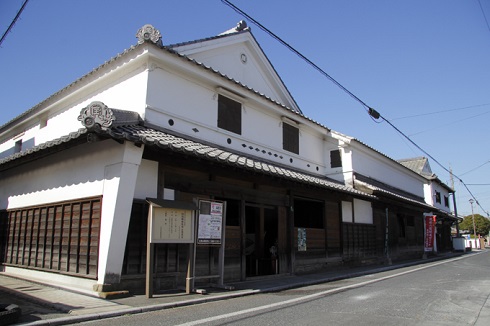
{"x":430,"y":227}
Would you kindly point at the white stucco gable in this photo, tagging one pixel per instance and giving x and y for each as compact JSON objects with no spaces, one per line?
{"x":237,"y":54}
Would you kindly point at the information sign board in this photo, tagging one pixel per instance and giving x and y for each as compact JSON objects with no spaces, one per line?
{"x":171,"y":225}
{"x":210,"y":222}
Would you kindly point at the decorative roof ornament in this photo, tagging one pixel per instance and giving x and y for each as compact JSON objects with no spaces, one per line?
{"x":240,"y":26}
{"x":148,"y":33}
{"x":96,"y":113}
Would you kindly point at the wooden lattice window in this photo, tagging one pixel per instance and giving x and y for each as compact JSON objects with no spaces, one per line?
{"x":61,"y":237}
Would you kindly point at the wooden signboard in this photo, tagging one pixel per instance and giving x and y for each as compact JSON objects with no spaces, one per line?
{"x":169,"y":221}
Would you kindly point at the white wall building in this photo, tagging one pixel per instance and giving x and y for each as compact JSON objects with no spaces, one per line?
{"x":204,"y":119}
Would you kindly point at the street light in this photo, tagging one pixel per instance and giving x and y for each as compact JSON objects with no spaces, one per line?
{"x":473,"y":216}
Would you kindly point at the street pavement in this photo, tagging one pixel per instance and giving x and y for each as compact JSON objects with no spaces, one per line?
{"x":42,"y":304}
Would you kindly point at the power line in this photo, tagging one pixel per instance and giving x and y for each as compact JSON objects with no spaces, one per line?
{"x":372,"y":112}
{"x":441,"y":111}
{"x":13,"y":21}
{"x":484,"y":16}
{"x":476,"y":168}
{"x":311,"y":63}
{"x":448,"y":124}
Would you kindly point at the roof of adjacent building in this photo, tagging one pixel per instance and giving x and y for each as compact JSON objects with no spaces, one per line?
{"x":417,"y":164}
{"x":376,"y":187}
{"x":421,"y":166}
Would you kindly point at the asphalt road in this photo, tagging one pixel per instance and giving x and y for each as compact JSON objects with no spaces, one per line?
{"x":449,"y":292}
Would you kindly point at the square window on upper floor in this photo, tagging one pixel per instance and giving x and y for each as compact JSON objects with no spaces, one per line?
{"x":290,"y":138}
{"x":229,"y":114}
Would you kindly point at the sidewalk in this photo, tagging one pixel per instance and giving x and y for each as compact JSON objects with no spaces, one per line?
{"x":46,"y":305}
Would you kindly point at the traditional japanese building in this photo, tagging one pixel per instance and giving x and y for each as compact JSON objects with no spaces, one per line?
{"x":202,"y":121}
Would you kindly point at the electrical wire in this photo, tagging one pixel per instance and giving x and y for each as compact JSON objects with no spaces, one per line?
{"x":311,"y":63}
{"x":13,"y":21}
{"x":479,"y":166}
{"x":442,"y":111}
{"x":484,"y":16}
{"x":375,"y":115}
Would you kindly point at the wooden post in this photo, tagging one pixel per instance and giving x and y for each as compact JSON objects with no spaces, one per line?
{"x":189,"y":280}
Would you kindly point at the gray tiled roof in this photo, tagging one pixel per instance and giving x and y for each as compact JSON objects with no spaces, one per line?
{"x":163,"y":140}
{"x":155,"y":138}
{"x":416,"y":164}
{"x":43,"y":147}
{"x":386,"y":192}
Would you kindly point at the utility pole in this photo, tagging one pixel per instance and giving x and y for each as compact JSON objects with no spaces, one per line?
{"x":454,"y":201}
{"x":473,"y":216}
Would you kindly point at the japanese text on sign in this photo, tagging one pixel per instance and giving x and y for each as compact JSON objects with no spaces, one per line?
{"x":170,"y":225}
{"x":210,"y":223}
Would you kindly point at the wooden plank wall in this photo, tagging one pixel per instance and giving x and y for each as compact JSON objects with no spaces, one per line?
{"x":63,"y":237}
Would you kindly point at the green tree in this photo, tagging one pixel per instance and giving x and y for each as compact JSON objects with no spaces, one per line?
{"x":482,"y":224}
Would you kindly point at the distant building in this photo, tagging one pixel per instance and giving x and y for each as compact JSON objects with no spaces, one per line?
{"x":436,"y":194}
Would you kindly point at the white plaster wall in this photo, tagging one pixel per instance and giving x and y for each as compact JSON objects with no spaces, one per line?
{"x":363,"y":211}
{"x":128,"y":94}
{"x":147,"y":181}
{"x":225,"y":55}
{"x":378,"y":168}
{"x":118,"y":194}
{"x":228,"y":61}
{"x":123,"y":89}
{"x":430,"y":196}
{"x":71,"y":174}
{"x":26,"y":134}
{"x":347,"y":212}
{"x":193,"y":110}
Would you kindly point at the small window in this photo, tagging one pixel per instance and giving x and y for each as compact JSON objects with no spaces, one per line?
{"x":229,"y":115}
{"x":290,"y":138}
{"x":18,"y":146}
{"x":335,"y":159}
{"x":438,"y":197}
{"x":446,"y":201}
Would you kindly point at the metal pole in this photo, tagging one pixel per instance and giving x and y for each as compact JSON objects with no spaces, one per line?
{"x":456,"y":215}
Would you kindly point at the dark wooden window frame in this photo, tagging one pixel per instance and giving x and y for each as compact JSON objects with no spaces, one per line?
{"x":229,"y":114}
{"x":57,"y":237}
{"x":446,"y":201}
{"x":290,"y":138}
{"x":335,"y":159}
{"x":438,"y":197}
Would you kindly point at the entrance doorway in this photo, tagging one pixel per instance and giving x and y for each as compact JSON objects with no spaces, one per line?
{"x":261,"y":240}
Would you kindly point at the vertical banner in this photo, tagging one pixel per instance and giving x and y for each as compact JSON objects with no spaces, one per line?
{"x":430,"y":226}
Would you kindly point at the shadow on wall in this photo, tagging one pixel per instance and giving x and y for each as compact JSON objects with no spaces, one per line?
{"x":80,"y":168}
{"x":3,"y":236}
{"x":11,"y":151}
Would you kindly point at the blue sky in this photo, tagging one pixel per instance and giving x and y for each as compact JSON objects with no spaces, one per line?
{"x":424,"y":65}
